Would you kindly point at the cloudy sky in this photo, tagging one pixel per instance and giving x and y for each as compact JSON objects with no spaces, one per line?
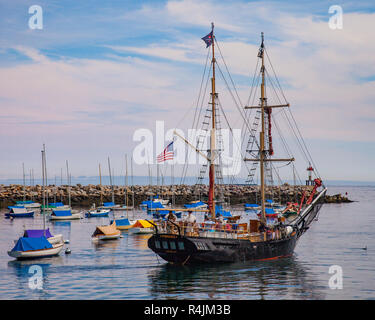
{"x":99,"y":71}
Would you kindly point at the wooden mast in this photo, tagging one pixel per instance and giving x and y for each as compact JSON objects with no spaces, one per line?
{"x":44,"y":190}
{"x":110,"y":180}
{"x":100,"y":182}
{"x":68,"y":177}
{"x":126,"y":183}
{"x":262,"y":151}
{"x":211,"y":193}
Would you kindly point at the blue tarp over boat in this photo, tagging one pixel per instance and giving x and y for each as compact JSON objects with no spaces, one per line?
{"x":27,"y":244}
{"x":24,"y":202}
{"x":62,"y":213}
{"x":17,"y":206}
{"x":37,"y":233}
{"x":121,"y":222}
{"x":220,"y":211}
{"x":108,"y":204}
{"x":56,"y":204}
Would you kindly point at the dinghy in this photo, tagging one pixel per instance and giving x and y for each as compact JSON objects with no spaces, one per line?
{"x":64,"y":215}
{"x":16,"y":212}
{"x":28,"y":204}
{"x":31,"y":248}
{"x":36,"y":233}
{"x":142,"y":227}
{"x":106,"y":233}
{"x":123,"y":223}
{"x":96,"y":213}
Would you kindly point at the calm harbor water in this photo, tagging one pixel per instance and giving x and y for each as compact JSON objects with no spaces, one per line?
{"x":127,"y":269}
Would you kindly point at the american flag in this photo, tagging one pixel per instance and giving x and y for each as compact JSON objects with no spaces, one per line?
{"x":167,"y":153}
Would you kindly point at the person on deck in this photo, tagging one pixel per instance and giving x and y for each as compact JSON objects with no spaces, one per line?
{"x":190,"y":222}
{"x":172,"y":218}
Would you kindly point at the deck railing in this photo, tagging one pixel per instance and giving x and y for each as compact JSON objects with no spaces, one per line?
{"x":215,"y":230}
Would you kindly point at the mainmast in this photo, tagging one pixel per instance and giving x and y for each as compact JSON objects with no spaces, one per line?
{"x":263,"y":158}
{"x":211,"y":192}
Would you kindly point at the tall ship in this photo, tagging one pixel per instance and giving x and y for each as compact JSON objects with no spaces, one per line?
{"x":271,"y":234}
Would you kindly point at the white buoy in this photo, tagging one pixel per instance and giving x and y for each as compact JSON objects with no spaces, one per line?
{"x":66,"y":241}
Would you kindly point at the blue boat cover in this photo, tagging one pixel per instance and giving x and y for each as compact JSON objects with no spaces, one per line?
{"x":269,"y":200}
{"x":56,"y":204}
{"x":108,"y":204}
{"x":270,"y":211}
{"x":37,"y":233}
{"x":121,"y":222}
{"x":19,"y":206}
{"x":61,"y":213}
{"x":26,"y":244}
{"x":24,"y":202}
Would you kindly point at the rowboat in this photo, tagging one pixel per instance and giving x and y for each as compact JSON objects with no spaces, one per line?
{"x":64,"y":215}
{"x":123,"y":223}
{"x":106,"y":233}
{"x":96,"y":213}
{"x":142,"y":227}
{"x":39,"y":247}
{"x":19,"y":213}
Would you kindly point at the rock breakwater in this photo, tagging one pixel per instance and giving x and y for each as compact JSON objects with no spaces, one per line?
{"x":89,"y":194}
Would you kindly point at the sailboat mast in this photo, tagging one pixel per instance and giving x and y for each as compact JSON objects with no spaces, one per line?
{"x":100,"y":182}
{"x":211,"y":192}
{"x":68,"y":178}
{"x":44,"y":190}
{"x":262,"y":150}
{"x":126,"y":182}
{"x":24,"y":183}
{"x":110,"y":179}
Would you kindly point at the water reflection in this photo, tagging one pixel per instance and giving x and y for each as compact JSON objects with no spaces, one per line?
{"x":284,"y":278}
{"x":100,"y":245}
{"x":24,"y":274}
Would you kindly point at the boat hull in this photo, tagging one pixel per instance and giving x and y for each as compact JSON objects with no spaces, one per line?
{"x":95,"y":214}
{"x":74,"y":216}
{"x":197,"y":250}
{"x":108,"y":237}
{"x":136,"y":230}
{"x":178,"y":249}
{"x":35,"y":254}
{"x":20,"y":215}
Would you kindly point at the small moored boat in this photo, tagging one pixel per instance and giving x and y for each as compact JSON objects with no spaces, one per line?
{"x":142,"y":227}
{"x":19,"y":213}
{"x":64,"y":215}
{"x":106,"y":233}
{"x":96,"y":213}
{"x":31,"y":248}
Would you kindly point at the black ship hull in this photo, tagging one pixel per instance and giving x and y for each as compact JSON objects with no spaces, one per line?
{"x":191,"y":250}
{"x":180,"y":249}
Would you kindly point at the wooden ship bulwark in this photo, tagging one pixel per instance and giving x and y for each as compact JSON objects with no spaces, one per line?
{"x":219,"y":242}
